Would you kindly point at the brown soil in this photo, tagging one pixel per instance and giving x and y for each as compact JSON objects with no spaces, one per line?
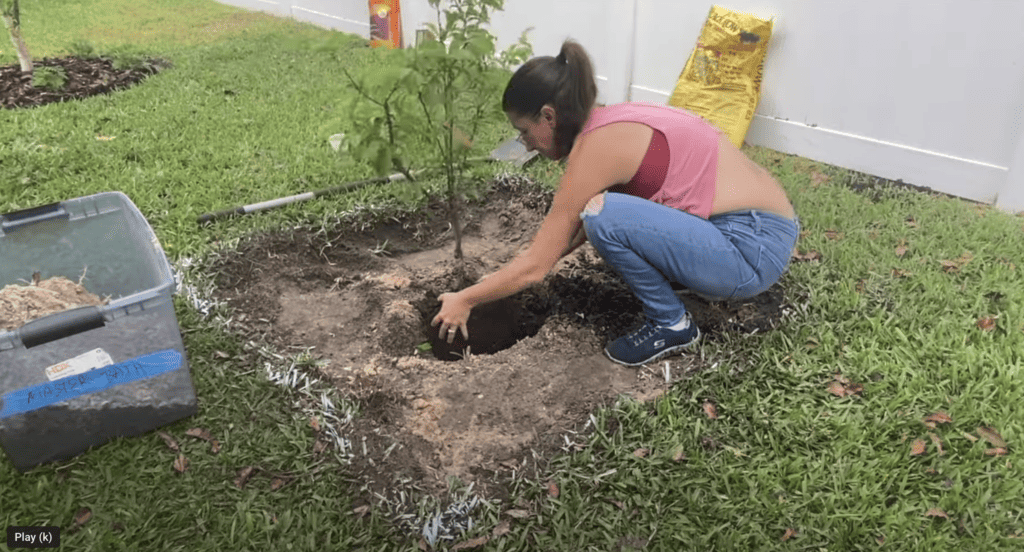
{"x":423,"y":419}
{"x":85,"y":77}
{"x":22,"y":303}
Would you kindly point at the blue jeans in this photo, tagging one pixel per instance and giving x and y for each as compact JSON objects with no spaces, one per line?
{"x":733,"y":255}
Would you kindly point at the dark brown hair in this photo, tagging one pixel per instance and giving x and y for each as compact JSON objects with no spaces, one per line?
{"x":565,"y":81}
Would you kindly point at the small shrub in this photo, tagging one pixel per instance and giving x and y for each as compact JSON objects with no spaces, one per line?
{"x":49,"y":78}
{"x":82,"y":48}
{"x":132,"y":62}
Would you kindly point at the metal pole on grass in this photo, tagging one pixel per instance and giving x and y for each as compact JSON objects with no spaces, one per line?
{"x":281,"y":201}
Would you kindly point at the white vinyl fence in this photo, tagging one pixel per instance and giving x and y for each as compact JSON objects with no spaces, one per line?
{"x":930,"y":92}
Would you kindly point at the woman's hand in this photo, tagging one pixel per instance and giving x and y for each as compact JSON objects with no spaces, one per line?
{"x":453,"y":317}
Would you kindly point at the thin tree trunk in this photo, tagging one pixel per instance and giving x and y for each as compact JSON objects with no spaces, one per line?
{"x":12,"y":20}
{"x":453,"y":209}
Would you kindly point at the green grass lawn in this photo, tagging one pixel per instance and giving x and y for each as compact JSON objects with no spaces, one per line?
{"x":915,"y":297}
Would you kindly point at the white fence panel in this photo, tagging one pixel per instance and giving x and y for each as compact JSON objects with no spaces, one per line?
{"x":350,"y":16}
{"x":928,"y":92}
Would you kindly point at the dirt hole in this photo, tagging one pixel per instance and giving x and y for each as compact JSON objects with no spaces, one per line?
{"x":492,"y":327}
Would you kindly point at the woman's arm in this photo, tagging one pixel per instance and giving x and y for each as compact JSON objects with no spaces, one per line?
{"x":596,"y":162}
{"x":577,"y":240}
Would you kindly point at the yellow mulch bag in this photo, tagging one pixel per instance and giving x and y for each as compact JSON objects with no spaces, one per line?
{"x":721,"y":81}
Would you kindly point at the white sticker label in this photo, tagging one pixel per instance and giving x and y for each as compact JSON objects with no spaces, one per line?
{"x":91,"y":360}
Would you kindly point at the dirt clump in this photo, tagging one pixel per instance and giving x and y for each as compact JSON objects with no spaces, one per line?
{"x":23,"y":303}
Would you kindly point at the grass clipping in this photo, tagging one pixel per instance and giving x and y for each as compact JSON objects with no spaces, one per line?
{"x":22,"y":303}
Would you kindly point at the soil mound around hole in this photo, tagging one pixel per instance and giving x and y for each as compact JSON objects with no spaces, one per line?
{"x":423,"y":419}
{"x":23,"y":303}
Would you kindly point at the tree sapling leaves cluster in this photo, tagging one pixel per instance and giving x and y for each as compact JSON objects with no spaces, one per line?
{"x":431,"y":100}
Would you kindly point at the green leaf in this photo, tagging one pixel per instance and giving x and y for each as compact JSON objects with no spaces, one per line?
{"x":482,"y":45}
{"x":431,"y":49}
{"x":382,"y":160}
{"x":462,"y":54}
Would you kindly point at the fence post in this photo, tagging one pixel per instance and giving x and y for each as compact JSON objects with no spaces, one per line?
{"x":1011,"y":195}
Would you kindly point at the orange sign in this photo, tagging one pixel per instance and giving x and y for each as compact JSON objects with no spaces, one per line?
{"x":385,"y":24}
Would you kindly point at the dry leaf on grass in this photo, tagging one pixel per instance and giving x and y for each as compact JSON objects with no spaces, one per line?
{"x":998,"y":451}
{"x":970,"y":437}
{"x":361,"y":511}
{"x":900,"y":273}
{"x":806,"y":257}
{"x":843,"y":387}
{"x":987,"y":323}
{"x":818,"y":178}
{"x":243,"y":476}
{"x":180,"y":463}
{"x":276,"y":483}
{"x":214,"y":446}
{"x":790,"y":533}
{"x":837,"y":389}
{"x":834,"y":235}
{"x":641,"y":452}
{"x":901,"y":250}
{"x":518,"y":514}
{"x":471,"y":543}
{"x":917,"y":448}
{"x":171,"y":443}
{"x":315,"y":424}
{"x":950,"y":266}
{"x":553,"y":491}
{"x":937,"y":512}
{"x":937,"y":442}
{"x":221,"y":354}
{"x":319,"y":446}
{"x":937,"y":418}
{"x":711,"y":410}
{"x":956,"y":264}
{"x":678,"y":455}
{"x":81,"y":517}
{"x":501,"y":529}
{"x":199,"y":433}
{"x":992,"y":436}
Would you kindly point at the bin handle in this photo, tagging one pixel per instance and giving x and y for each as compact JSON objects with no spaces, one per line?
{"x":17,"y":219}
{"x":60,"y":325}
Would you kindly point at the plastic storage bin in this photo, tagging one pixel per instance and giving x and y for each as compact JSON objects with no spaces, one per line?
{"x":75,"y":379}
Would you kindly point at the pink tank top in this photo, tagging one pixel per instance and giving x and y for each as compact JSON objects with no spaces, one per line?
{"x":689,"y":181}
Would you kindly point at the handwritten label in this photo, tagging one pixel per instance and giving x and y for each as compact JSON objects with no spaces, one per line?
{"x":93,"y":381}
{"x":90,"y":360}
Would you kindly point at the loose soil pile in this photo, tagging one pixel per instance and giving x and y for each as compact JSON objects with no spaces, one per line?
{"x":425,"y":419}
{"x":20,"y":304}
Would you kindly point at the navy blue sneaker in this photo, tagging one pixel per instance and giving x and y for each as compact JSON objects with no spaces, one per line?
{"x":650,"y":342}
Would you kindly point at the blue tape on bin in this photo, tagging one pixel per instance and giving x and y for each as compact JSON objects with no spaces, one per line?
{"x":45,"y":394}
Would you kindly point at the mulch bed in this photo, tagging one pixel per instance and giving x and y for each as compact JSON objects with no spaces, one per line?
{"x":85,"y":77}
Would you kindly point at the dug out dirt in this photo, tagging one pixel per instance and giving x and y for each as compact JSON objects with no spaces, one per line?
{"x":431,"y":411}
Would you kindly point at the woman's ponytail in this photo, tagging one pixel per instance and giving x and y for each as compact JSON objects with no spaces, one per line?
{"x":565,"y":81}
